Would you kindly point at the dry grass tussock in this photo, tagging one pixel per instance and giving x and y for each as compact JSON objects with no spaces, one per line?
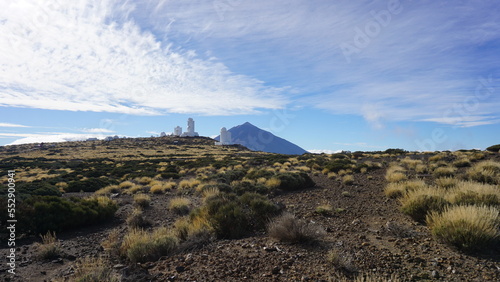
{"x":141,"y":246}
{"x":288,"y":228}
{"x":111,"y":189}
{"x":160,"y":187}
{"x":50,"y":247}
{"x":197,"y":228}
{"x":485,"y":171}
{"x":395,"y":176}
{"x":91,"y":269}
{"x":189,"y":183}
{"x":466,"y":227}
{"x":273,"y":183}
{"x":142,"y":200}
{"x":444,"y":171}
{"x":398,"y":189}
{"x":473,"y":193}
{"x":411,"y":163}
{"x":179,"y":205}
{"x":418,"y":203}
{"x":447,"y":182}
{"x":348,"y":179}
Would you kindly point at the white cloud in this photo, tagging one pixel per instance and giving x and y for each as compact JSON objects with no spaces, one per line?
{"x":326,"y":151}
{"x":4,"y":124}
{"x":91,"y":56}
{"x":47,"y":138}
{"x":97,"y":130}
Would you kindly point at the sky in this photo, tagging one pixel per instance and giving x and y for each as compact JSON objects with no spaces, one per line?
{"x":325,"y":75}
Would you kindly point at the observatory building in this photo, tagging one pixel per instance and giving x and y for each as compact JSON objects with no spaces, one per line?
{"x":225,"y":137}
{"x":177,"y":131}
{"x":190,"y":129}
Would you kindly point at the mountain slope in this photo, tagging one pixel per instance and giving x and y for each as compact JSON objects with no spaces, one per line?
{"x":257,"y":139}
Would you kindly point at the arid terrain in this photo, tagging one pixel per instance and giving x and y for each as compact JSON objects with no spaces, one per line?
{"x":350,"y":222}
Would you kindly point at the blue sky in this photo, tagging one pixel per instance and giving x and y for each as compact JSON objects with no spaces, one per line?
{"x":326,"y":75}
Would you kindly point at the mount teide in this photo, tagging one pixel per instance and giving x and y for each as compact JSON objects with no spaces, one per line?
{"x":257,"y":139}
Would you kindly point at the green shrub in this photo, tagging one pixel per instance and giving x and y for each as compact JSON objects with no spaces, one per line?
{"x":494,"y":148}
{"x":39,"y":188}
{"x":38,"y":214}
{"x":89,"y":185}
{"x":294,"y":181}
{"x":232,"y":217}
{"x":338,"y":164}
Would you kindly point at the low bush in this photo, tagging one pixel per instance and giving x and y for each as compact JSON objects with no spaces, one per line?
{"x":294,"y":181}
{"x":494,"y":148}
{"x":288,"y":228}
{"x":231,"y":216}
{"x":418,"y":203}
{"x":466,"y":227}
{"x":136,"y":219}
{"x":89,"y":185}
{"x":38,"y":214}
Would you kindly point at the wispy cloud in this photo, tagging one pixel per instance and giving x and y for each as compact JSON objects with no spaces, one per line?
{"x":92,"y":56}
{"x":97,"y":130}
{"x":412,"y":61}
{"x":4,"y":124}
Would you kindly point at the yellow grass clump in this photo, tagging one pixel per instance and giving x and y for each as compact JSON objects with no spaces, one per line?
{"x":93,"y":269}
{"x":331,"y":175}
{"x":108,"y":190}
{"x":348,"y":179}
{"x":273,"y":183}
{"x":398,"y":189}
{"x":189,"y":183}
{"x":417,"y":203}
{"x":485,"y":171}
{"x":411,"y":163}
{"x":473,"y":193}
{"x":447,"y":182}
{"x":142,"y":200}
{"x":466,"y":227}
{"x":126,"y":184}
{"x":447,"y":171}
{"x":141,"y":246}
{"x":162,"y":187}
{"x":179,"y":205}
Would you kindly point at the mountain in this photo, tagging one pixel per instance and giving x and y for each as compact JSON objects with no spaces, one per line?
{"x":257,"y":139}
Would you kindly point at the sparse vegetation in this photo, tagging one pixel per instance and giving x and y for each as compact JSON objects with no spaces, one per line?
{"x":91,"y":269}
{"x":50,"y":247}
{"x":288,"y":228}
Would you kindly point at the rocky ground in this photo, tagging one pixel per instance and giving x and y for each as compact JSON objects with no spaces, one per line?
{"x":367,"y":231}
